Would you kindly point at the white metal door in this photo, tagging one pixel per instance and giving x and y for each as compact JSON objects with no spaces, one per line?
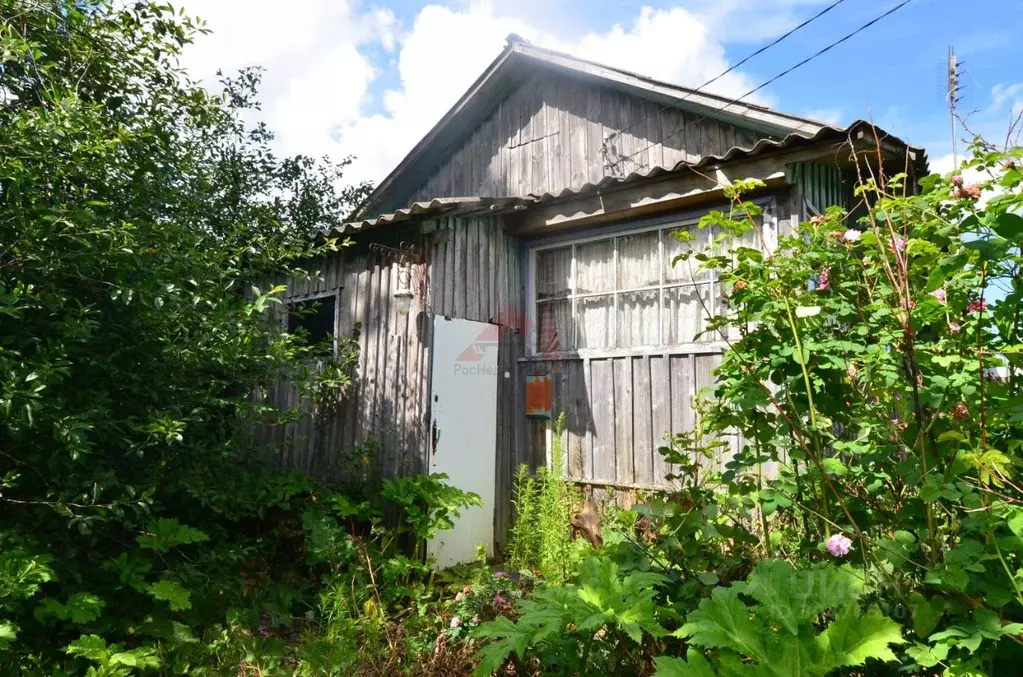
{"x":464,"y":428}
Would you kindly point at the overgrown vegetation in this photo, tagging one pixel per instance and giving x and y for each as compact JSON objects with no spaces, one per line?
{"x":140,"y":531}
{"x":875,"y":366}
{"x":540,"y":539}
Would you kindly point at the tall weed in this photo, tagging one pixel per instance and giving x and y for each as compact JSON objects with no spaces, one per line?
{"x":540,"y":537}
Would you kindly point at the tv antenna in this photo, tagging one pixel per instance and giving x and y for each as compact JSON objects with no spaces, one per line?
{"x":953,"y":96}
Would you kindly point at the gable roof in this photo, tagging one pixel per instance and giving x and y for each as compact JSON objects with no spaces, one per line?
{"x":520,"y":58}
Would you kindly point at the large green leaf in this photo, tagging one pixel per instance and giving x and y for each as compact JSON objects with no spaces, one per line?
{"x":694,"y":665}
{"x":724,"y":621}
{"x":852,"y":639}
{"x":177,"y":597}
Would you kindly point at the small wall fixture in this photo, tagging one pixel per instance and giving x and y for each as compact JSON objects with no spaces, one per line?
{"x":404,"y":255}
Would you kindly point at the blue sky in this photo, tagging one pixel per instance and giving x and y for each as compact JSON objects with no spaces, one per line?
{"x":346,"y":76}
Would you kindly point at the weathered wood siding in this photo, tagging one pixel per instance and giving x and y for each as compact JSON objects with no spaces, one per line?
{"x":470,"y":270}
{"x":549,"y":134}
{"x":618,"y":411}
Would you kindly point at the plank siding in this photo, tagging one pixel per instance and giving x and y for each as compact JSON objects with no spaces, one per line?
{"x":549,"y":134}
{"x":471,"y":270}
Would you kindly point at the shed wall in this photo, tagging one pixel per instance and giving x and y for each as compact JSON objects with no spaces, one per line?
{"x":470,"y":269}
{"x":618,"y":406}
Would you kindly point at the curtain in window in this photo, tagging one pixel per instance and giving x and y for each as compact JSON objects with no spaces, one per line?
{"x":638,"y":257}
{"x":555,"y":327}
{"x":594,"y":265}
{"x":554,"y":273}
{"x":594,"y":315}
{"x":683,"y":316}
{"x":638,"y":319}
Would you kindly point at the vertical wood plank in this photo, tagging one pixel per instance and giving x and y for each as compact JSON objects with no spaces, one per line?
{"x":642,"y":421}
{"x":472,"y":269}
{"x":436,"y":268}
{"x":602,"y":400}
{"x":450,"y":280}
{"x":660,"y":410}
{"x":576,"y":419}
{"x":383,"y":413}
{"x":369,"y":350}
{"x":623,"y":411}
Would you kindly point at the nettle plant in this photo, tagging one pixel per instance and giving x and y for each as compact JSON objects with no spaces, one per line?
{"x":877,"y":362}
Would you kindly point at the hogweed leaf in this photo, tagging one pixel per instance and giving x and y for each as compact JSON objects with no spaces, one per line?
{"x":694,"y":665}
{"x":723,"y":621}
{"x":177,"y":597}
{"x":852,"y":639}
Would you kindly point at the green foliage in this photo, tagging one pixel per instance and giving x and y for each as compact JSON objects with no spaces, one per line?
{"x":140,"y":218}
{"x":584,"y":628}
{"x":876,"y":365}
{"x":777,"y":635}
{"x":540,"y":538}
{"x":523,"y":537}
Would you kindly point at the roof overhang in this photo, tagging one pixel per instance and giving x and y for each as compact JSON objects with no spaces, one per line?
{"x":661,"y":189}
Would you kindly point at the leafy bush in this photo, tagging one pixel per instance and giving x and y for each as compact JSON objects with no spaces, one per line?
{"x":777,"y":634}
{"x":590,"y":627}
{"x":876,"y":365}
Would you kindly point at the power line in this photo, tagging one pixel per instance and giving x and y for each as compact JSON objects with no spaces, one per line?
{"x":778,"y":76}
{"x":717,"y":77}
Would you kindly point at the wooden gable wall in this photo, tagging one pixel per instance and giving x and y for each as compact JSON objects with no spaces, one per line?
{"x":547,"y":135}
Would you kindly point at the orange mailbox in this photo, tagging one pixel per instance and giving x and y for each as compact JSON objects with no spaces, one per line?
{"x":539,"y":396}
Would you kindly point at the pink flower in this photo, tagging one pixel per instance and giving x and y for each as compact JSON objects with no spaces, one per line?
{"x":954,"y":328}
{"x":500,"y":574}
{"x":852,"y":235}
{"x":960,"y":412}
{"x":957,"y":180}
{"x":825,"y":280}
{"x":939,"y":294}
{"x":976,"y":305}
{"x":455,"y":621}
{"x":839,"y":545}
{"x":971,"y":192}
{"x":898,"y":244}
{"x":500,"y":601}
{"x":475,"y":620}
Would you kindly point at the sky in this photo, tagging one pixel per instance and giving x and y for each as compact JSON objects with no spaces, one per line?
{"x":348,"y":77}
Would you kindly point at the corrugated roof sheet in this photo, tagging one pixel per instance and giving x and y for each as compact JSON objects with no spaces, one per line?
{"x":437,"y":207}
{"x":732,"y":154}
{"x":450,"y":205}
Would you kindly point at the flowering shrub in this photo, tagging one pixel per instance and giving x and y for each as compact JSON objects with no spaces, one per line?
{"x":878,"y":365}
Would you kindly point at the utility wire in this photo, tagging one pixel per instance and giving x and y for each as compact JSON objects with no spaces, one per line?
{"x":776,"y":77}
{"x":729,"y":70}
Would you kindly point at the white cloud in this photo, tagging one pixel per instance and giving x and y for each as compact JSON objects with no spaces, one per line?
{"x":321,"y":76}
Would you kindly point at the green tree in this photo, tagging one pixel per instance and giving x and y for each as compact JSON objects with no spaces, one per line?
{"x":136,"y":211}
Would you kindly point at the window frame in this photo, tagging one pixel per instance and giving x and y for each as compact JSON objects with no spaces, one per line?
{"x":315,"y":296}
{"x":663,"y":225}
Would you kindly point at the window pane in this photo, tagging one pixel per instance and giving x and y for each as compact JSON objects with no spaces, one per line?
{"x":554,"y":326}
{"x":594,"y":317}
{"x":684,"y":316}
{"x":553,"y":273}
{"x":313,"y":319}
{"x":637,"y":318}
{"x":593,"y":265}
{"x":685,"y":271}
{"x":637,"y":261}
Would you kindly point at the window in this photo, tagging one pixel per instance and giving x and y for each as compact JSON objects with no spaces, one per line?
{"x":314,"y":318}
{"x":622,"y":291}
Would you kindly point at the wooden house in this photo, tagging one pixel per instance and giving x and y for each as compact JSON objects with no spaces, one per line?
{"x":517,"y":264}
